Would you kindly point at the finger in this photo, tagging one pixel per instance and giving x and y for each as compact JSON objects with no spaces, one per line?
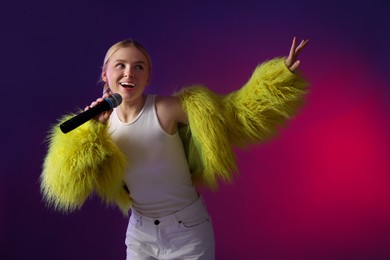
{"x":302,"y":44}
{"x":291,"y":57}
{"x":300,"y":47}
{"x":295,"y":66}
{"x":99,"y":100}
{"x":293,"y":46}
{"x":94,"y":103}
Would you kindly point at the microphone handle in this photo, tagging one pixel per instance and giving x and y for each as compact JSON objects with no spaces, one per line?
{"x":83,"y":117}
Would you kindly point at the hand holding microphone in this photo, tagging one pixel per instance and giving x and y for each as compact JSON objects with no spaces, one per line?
{"x":102,"y":105}
{"x":105,"y":115}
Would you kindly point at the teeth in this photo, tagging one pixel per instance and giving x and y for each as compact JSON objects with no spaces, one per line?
{"x":125,"y":84}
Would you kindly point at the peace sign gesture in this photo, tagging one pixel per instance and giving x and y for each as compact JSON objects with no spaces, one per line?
{"x":292,"y":61}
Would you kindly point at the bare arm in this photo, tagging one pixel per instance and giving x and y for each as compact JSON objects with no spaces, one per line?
{"x":169,"y":113}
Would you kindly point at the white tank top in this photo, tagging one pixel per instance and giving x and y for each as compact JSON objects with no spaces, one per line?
{"x":158,"y":176}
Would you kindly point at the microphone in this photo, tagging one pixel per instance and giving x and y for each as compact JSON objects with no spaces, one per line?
{"x":110,"y":102}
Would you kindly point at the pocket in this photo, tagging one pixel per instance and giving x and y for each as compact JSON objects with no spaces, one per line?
{"x":194,"y":221}
{"x":134,"y":221}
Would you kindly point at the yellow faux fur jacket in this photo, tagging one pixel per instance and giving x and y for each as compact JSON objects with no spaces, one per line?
{"x":86,"y":160}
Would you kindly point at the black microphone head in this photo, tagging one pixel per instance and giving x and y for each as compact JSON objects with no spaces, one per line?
{"x":114,"y":100}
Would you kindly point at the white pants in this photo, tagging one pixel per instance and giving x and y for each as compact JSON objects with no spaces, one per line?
{"x":187,"y":234}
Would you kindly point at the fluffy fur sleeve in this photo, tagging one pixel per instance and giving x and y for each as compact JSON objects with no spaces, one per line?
{"x":251,"y":114}
{"x":206,"y":142}
{"x":272,"y":95}
{"x":81,"y":162}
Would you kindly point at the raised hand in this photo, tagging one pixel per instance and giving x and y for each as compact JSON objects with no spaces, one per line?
{"x":292,"y":61}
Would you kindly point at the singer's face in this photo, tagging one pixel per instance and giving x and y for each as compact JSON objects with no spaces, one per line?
{"x":127,"y":73}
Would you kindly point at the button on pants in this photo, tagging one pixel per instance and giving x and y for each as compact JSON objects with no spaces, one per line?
{"x":187,"y":234}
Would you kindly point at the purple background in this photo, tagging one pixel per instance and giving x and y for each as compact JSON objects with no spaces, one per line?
{"x":321,"y":190}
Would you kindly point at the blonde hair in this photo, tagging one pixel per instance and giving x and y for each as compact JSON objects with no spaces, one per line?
{"x":124,"y":44}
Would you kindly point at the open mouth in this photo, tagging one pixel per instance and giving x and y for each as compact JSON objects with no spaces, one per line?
{"x":127,"y":85}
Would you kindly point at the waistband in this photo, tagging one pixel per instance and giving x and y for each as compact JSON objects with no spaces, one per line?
{"x":198,"y":208}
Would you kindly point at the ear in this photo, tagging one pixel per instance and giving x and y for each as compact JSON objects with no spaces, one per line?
{"x":104,"y":76}
{"x":148,"y":81}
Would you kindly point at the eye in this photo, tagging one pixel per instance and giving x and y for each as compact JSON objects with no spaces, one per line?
{"x":120,"y":66}
{"x":139,"y":67}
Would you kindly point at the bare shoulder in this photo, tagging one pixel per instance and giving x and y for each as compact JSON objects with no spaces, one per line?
{"x":167,"y":101}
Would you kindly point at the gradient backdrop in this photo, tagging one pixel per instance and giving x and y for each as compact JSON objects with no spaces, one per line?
{"x":320,"y":190}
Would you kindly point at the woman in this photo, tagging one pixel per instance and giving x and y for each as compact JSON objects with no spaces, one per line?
{"x":135,"y":157}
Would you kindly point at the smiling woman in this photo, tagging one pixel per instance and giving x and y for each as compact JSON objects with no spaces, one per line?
{"x":150,"y":153}
{"x":127,"y":71}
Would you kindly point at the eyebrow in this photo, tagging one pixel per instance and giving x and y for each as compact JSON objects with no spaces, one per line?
{"x":124,"y":61}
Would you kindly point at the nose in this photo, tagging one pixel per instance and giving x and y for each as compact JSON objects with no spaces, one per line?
{"x":128,"y":73}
